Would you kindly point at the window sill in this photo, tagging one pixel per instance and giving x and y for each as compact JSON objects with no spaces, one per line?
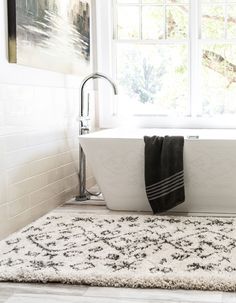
{"x":156,"y":121}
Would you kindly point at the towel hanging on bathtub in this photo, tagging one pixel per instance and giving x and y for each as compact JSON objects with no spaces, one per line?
{"x":164,"y":173}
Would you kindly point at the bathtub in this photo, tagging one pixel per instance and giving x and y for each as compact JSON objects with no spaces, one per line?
{"x":116,"y":157}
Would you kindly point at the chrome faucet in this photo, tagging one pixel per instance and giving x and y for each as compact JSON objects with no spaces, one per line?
{"x":84,"y":125}
{"x":84,"y":195}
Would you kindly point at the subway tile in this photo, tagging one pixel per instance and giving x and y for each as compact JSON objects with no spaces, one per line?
{"x":43,"y":165}
{"x":19,"y":221}
{"x":53,"y":189}
{"x":18,"y":206}
{"x":46,"y":193}
{"x":46,"y":136}
{"x":89,"y":170}
{"x":15,"y":142}
{"x":54,"y":175}
{"x":46,"y":167}
{"x":3,"y":182}
{"x":17,"y":106}
{"x":75,"y":154}
{"x":90,"y":182}
{"x":17,"y":174}
{"x":41,"y":209}
{"x":3,"y":92}
{"x":65,"y":158}
{"x":44,"y":150}
{"x":3,"y":213}
{"x":69,"y":183}
{"x":17,"y":158}
{"x":69,"y":169}
{"x":73,"y":141}
{"x":18,"y":93}
{"x":29,"y":155}
{"x":37,"y":182}
{"x":63,"y":146}
{"x":2,"y":154}
{"x":51,"y":203}
{"x":59,"y":94}
{"x":5,"y":229}
{"x":43,"y":93}
{"x":60,"y":173}
{"x":38,"y":151}
{"x":18,"y":190}
{"x":2,"y":113}
{"x":3,"y":188}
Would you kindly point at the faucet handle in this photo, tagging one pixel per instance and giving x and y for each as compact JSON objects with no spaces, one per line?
{"x":85,"y":130}
{"x":84,"y":119}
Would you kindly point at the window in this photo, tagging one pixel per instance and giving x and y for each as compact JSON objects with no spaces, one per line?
{"x":152,"y":51}
{"x":175,"y":59}
{"x":218,"y":57}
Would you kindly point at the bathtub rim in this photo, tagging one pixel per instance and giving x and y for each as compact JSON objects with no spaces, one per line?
{"x":139,"y":133}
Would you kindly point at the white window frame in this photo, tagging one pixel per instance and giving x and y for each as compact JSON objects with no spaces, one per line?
{"x":108,"y":117}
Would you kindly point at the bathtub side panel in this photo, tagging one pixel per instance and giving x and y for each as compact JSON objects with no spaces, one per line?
{"x":118,"y":167}
{"x":209,"y":165}
{"x":210,"y":176}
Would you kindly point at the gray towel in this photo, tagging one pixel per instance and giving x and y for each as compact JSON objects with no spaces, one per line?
{"x":164,"y":172}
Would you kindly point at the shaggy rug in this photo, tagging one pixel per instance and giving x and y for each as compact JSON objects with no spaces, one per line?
{"x":124,"y":251}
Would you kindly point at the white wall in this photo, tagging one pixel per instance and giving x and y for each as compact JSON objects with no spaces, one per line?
{"x":38,"y":139}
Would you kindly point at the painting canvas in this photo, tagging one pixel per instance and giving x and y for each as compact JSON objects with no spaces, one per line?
{"x":50,"y":34}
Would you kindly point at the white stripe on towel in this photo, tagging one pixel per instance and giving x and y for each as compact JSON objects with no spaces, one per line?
{"x":166,"y":193}
{"x":165,"y":189}
{"x":165,"y":186}
{"x":165,"y":180}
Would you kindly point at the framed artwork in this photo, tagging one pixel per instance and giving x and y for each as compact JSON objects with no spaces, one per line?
{"x":50,"y":34}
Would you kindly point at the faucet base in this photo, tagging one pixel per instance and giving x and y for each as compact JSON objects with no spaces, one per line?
{"x":82,"y":198}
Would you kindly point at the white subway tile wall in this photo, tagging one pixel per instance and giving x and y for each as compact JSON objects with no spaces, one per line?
{"x":38,"y":152}
{"x":38,"y":139}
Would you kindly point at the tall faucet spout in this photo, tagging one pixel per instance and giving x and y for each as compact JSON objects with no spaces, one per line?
{"x":100,"y":75}
{"x":84,"y":128}
{"x":94,"y":76}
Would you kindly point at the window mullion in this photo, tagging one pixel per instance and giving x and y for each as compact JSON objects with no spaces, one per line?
{"x":115,"y":19}
{"x":140,"y":21}
{"x":226,"y":20}
{"x":165,"y":21}
{"x":195,"y":59}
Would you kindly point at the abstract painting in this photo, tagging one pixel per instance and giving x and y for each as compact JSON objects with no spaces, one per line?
{"x":50,"y":34}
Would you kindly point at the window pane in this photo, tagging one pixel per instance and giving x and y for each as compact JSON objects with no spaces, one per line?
{"x":219,"y":79}
{"x":128,"y":1}
{"x":231,"y":21}
{"x":128,"y":22}
{"x":153,"y":22}
{"x":153,"y":1}
{"x":176,"y":1}
{"x":177,"y":22}
{"x":153,"y":79}
{"x":213,"y":1}
{"x":213,"y":21}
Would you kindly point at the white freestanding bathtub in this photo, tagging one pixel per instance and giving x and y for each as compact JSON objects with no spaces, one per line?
{"x":116,"y":157}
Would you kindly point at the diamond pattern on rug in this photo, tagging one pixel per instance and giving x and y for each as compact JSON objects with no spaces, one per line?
{"x":124,"y":251}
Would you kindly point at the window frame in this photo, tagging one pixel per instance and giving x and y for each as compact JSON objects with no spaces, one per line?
{"x":106,"y":35}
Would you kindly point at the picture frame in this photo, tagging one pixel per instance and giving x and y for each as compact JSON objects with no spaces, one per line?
{"x":50,"y":34}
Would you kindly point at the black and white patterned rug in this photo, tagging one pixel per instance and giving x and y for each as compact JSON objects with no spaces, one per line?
{"x":124,"y":251}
